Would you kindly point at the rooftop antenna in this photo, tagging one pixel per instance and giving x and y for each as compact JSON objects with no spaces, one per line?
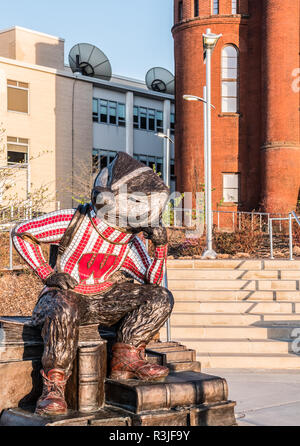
{"x":161,"y":80}
{"x":88,"y":60}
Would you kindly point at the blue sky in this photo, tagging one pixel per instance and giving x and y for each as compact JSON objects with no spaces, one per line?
{"x":134,"y":34}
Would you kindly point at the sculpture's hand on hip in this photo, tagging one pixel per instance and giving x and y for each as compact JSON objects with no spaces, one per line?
{"x":61,"y":280}
{"x":157,"y":235}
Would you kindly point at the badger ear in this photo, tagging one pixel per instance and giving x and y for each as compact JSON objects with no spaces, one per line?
{"x":102,"y":179}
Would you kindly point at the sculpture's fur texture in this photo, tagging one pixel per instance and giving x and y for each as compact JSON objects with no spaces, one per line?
{"x":79,"y":293}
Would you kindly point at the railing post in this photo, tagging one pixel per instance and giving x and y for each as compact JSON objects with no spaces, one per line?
{"x":291,"y":236}
{"x":168,"y":323}
{"x":10,"y":250}
{"x":271,"y":238}
{"x":260,"y":223}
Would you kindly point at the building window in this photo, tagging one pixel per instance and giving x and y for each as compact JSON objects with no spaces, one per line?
{"x":147,"y":119}
{"x":121,"y":115}
{"x":234,"y":6}
{"x":17,"y":150}
{"x":180,"y":11}
{"x":230,"y":79}
{"x":159,"y":121}
{"x":172,"y":120}
{"x":215,"y":6}
{"x":155,"y":162}
{"x":17,"y":96}
{"x":231,"y":187}
{"x":102,"y":158}
{"x":196,"y":8}
{"x":109,"y":112}
{"x":95,"y":110}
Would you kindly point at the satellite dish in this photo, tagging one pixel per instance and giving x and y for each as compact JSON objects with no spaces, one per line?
{"x":88,"y":60}
{"x":161,"y":80}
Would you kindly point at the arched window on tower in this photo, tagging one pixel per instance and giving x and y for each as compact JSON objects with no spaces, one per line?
{"x":196,"y":8}
{"x":180,"y":11}
{"x":234,"y":8}
{"x":215,"y":6}
{"x":230,"y":79}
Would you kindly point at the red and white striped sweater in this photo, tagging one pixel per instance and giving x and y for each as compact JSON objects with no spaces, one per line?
{"x":90,"y":258}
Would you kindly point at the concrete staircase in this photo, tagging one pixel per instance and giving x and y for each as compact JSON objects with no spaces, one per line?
{"x":237,"y":313}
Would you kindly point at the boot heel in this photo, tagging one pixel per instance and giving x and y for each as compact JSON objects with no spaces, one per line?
{"x":117,"y":375}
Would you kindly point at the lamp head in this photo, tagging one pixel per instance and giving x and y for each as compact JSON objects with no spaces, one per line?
{"x":210,"y":40}
{"x":191,"y":97}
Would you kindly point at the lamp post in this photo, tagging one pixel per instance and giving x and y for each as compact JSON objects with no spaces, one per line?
{"x":167,"y":156}
{"x":166,"y":175}
{"x":209,"y":42}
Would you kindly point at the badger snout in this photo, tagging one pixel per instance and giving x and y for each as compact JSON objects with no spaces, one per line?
{"x":104,"y":199}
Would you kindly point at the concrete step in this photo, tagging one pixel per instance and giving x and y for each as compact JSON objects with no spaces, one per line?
{"x":216,"y":264}
{"x":235,"y":295}
{"x":248,"y":307}
{"x":241,"y":346}
{"x":224,"y":274}
{"x":241,"y":264}
{"x":232,"y":319}
{"x":185,"y":333}
{"x":249,"y":361}
{"x":238,"y":284}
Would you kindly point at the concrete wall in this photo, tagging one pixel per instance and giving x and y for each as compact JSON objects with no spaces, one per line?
{"x":38,"y":126}
{"x":32,"y":47}
{"x":74,"y":138}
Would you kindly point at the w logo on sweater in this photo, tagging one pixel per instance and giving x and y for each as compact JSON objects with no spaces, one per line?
{"x":96,"y":264}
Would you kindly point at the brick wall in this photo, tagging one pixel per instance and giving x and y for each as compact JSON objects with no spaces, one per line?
{"x":268,"y":111}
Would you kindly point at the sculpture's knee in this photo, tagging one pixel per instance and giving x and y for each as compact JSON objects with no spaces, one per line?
{"x":55,"y":306}
{"x":168,"y":299}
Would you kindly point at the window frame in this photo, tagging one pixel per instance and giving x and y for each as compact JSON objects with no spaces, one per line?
{"x":180,"y":11}
{"x":106,"y":103}
{"x":213,"y":7}
{"x":238,"y":188}
{"x":21,"y":144}
{"x":102,"y":152}
{"x":231,"y":80}
{"x":17,"y":87}
{"x":196,"y":8}
{"x":149,"y":113}
{"x":236,"y":3}
{"x":172,"y":122}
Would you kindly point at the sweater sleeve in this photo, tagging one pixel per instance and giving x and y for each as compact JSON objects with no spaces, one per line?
{"x":139,"y":265}
{"x":28,"y":236}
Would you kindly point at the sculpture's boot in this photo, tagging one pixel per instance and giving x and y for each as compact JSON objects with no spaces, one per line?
{"x":52,"y":400}
{"x":129,"y":362}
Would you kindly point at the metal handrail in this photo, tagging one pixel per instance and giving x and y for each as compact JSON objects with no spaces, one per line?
{"x":292,"y":216}
{"x":295,"y":217}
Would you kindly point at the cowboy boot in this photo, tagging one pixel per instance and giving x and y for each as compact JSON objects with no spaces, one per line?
{"x":52,"y":400}
{"x":129,"y":362}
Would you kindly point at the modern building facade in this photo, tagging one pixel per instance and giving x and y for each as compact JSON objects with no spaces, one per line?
{"x":255,"y":89}
{"x":57,"y":125}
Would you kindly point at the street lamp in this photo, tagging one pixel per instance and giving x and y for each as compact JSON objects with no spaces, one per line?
{"x":190,"y":97}
{"x":167,"y":156}
{"x":209,"y":42}
{"x":166,"y":175}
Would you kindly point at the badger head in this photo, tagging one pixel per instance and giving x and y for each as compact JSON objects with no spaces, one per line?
{"x":129,"y":195}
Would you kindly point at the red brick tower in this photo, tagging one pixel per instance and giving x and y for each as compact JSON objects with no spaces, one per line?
{"x":280,"y":112}
{"x":255,"y":126}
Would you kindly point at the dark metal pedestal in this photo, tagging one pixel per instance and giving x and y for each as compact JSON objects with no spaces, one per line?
{"x":187,"y":397}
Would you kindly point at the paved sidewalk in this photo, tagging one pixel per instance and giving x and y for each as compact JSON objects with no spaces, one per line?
{"x":264,"y":397}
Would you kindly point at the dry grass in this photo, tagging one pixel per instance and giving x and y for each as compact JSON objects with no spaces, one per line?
{"x":18,"y":293}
